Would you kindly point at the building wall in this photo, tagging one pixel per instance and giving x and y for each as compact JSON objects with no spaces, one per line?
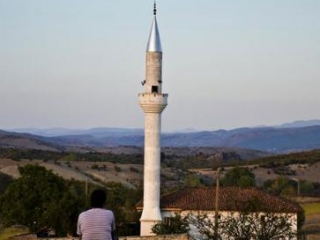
{"x":162,"y":237}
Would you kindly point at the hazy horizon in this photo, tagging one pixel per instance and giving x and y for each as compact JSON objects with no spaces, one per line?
{"x":300,"y":123}
{"x":227,"y":64}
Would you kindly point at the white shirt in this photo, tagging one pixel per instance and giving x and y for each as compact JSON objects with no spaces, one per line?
{"x":96,"y":224}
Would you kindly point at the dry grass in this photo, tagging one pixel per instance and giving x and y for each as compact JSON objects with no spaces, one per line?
{"x":311,"y":208}
{"x":81,"y":171}
{"x":13,"y":231}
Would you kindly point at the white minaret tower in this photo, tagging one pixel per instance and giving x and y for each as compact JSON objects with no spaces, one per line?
{"x":153,"y":102}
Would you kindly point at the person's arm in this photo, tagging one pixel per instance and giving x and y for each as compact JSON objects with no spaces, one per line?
{"x":114,"y":233}
{"x":78,"y":229}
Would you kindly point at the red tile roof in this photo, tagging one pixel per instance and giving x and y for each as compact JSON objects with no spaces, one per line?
{"x":230,"y":199}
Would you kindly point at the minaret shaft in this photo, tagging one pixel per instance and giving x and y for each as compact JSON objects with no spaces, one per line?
{"x":152,"y":168}
{"x":153,"y":72}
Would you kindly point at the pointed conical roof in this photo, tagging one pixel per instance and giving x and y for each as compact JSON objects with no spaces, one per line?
{"x":154,"y":43}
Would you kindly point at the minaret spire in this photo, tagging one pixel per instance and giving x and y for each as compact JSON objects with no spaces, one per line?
{"x":154,"y":42}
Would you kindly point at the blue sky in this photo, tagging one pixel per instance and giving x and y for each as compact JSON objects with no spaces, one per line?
{"x":227,"y":63}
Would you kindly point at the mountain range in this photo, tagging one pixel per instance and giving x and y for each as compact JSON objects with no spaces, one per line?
{"x":295,"y":136}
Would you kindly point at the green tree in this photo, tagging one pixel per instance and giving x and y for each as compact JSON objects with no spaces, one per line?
{"x":40,"y":199}
{"x":67,"y":212}
{"x":72,"y":156}
{"x":121,"y":201}
{"x":306,"y":187}
{"x":239,"y":177}
{"x":192,"y":181}
{"x":279,"y":186}
{"x":5,"y":180}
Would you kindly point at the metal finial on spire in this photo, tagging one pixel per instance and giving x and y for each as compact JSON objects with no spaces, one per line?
{"x":154,"y":8}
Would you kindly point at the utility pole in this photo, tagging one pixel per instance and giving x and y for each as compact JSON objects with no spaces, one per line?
{"x":86,"y":187}
{"x":216,"y":206}
{"x":298,"y":185}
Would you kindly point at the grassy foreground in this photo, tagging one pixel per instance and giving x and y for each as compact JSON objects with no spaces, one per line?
{"x":13,"y":231}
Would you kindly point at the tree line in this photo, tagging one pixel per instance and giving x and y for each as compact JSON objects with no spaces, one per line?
{"x":280,"y":186}
{"x":227,"y":159}
{"x":46,"y":155}
{"x":201,"y":160}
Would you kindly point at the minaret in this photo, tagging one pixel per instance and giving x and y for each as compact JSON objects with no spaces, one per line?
{"x":153,"y":102}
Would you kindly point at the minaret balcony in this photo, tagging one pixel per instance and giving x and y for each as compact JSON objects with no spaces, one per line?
{"x":153,"y":102}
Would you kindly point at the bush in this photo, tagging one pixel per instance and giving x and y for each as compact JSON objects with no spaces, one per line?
{"x":171,"y":225}
{"x":117,"y":169}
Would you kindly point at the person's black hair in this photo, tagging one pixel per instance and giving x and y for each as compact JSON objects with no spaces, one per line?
{"x":98,"y":198}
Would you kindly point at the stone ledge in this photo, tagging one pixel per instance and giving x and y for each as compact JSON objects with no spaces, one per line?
{"x":159,"y":237}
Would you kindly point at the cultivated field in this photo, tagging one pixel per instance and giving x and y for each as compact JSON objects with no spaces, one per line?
{"x":312,"y":223}
{"x":129,"y":175}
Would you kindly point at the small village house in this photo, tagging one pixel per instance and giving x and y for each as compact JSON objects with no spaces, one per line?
{"x":231,"y":202}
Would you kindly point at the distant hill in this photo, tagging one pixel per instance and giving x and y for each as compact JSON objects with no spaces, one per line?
{"x":265,"y":139}
{"x":301,"y":123}
{"x":28,"y":141}
{"x":296,"y":136}
{"x":96,"y":132}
